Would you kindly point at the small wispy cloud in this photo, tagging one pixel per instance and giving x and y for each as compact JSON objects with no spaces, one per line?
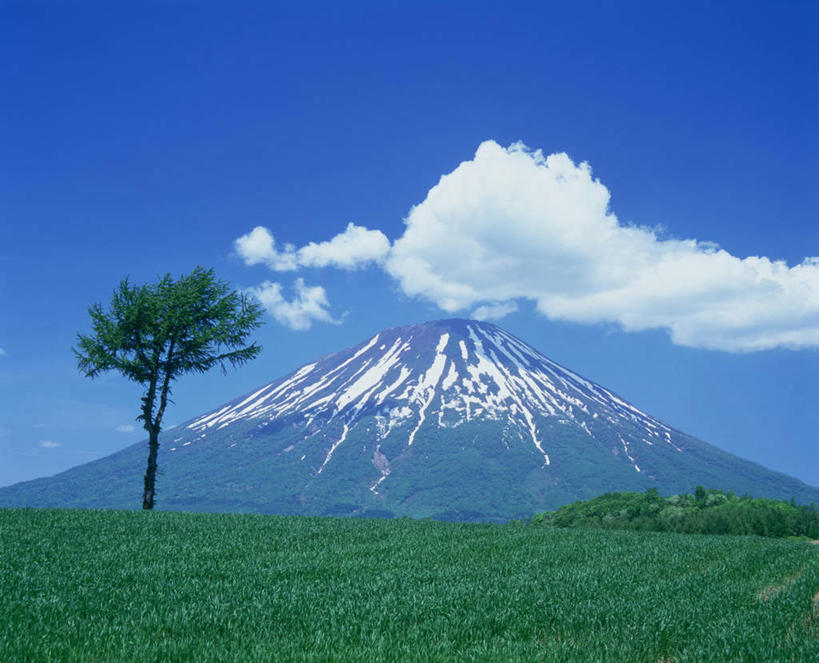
{"x":352,"y":249}
{"x":307,"y":306}
{"x":125,"y":428}
{"x":494,"y":311}
{"x":3,"y":353}
{"x":49,"y":444}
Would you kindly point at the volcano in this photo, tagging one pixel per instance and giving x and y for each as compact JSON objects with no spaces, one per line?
{"x":452,"y":419}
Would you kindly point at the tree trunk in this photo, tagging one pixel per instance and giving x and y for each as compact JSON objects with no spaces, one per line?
{"x":150,"y":473}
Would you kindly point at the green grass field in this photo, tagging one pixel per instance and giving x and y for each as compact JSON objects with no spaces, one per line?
{"x":133,"y":586}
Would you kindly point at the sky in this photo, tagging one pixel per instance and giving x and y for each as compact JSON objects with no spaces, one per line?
{"x":629,"y":187}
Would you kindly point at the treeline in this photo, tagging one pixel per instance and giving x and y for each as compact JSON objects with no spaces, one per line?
{"x":704,"y":512}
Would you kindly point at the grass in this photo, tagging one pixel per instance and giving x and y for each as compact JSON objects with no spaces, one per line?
{"x":125,"y":586}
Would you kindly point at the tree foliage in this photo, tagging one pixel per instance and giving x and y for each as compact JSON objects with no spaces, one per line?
{"x":154,"y":333}
{"x":704,"y":512}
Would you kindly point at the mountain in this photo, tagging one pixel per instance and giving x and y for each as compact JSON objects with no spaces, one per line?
{"x":453,"y":419}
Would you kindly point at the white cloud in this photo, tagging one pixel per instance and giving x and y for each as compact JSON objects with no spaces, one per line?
{"x":494,"y":311}
{"x":3,"y":353}
{"x":125,"y":428}
{"x":512,"y":224}
{"x":48,"y":444}
{"x":354,"y":248}
{"x":309,"y":304}
{"x":259,"y":246}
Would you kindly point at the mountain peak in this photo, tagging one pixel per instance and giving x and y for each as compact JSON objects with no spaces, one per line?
{"x":454,"y":370}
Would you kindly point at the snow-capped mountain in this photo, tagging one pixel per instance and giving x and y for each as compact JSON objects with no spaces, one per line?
{"x":448,"y":374}
{"x":453,"y":419}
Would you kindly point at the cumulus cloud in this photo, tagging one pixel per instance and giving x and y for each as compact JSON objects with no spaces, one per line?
{"x":307,"y":306}
{"x":125,"y":428}
{"x":259,"y":247}
{"x":354,"y":248}
{"x":515,"y":224}
{"x":48,"y":444}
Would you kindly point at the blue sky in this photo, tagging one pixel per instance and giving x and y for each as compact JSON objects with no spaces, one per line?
{"x":144,"y":139}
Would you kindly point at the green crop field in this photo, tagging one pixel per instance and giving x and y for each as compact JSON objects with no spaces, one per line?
{"x":133,"y":586}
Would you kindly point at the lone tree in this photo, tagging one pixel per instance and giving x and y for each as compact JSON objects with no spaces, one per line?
{"x":154,"y":333}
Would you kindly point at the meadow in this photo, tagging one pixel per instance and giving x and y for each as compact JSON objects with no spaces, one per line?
{"x":124,"y":586}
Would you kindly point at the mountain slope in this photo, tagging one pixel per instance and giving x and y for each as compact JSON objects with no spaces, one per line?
{"x":449,"y":419}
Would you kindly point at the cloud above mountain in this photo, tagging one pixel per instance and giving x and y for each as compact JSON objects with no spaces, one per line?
{"x":513,"y":224}
{"x":308,"y":305}
{"x":354,"y":248}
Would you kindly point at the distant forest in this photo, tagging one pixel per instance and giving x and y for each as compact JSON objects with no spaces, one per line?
{"x":704,"y":512}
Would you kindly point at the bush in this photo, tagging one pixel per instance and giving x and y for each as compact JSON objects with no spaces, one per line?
{"x":705,"y":512}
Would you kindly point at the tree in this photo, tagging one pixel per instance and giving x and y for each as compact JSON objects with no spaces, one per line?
{"x":154,"y":333}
